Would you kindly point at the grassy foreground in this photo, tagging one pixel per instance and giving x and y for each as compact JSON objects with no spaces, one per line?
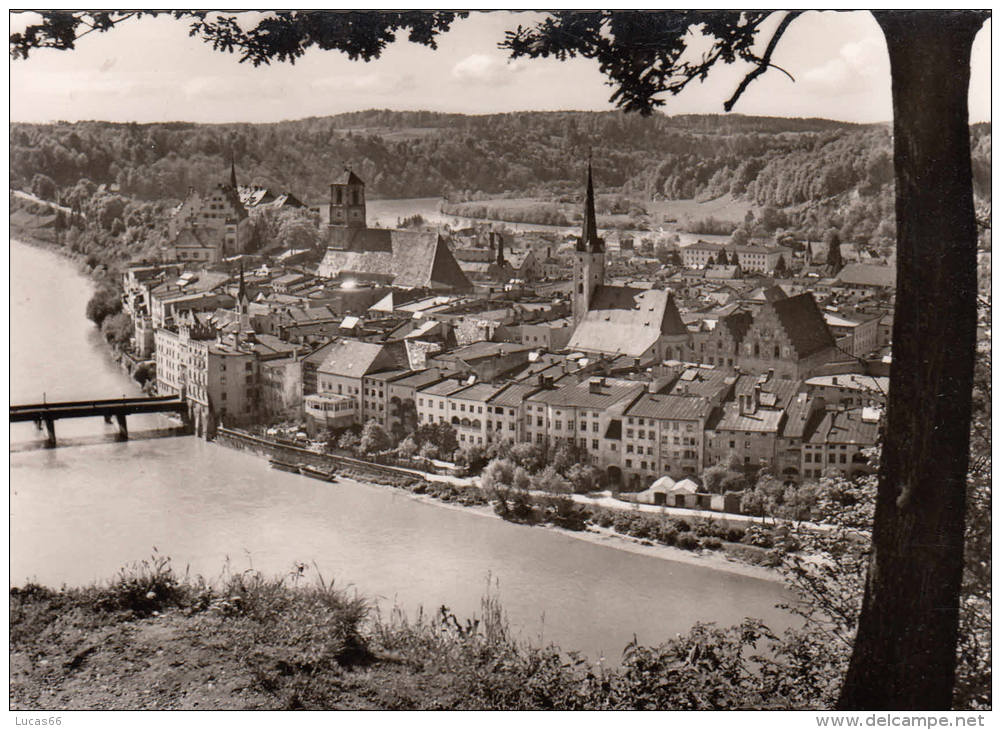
{"x":150,"y":639}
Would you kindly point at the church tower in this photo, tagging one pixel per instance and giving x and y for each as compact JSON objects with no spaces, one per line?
{"x":242,"y":308}
{"x":589,"y":258}
{"x":347,"y":201}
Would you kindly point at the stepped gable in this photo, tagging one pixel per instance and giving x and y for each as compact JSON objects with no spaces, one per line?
{"x":627,"y":321}
{"x":737,"y":324}
{"x":804,"y":324}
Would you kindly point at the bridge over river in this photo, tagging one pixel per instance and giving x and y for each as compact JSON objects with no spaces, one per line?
{"x":118,"y":408}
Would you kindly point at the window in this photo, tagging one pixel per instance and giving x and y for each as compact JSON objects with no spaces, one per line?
{"x":733,"y":444}
{"x":558,"y":425}
{"x":538,"y":422}
{"x":643,"y":465}
{"x":583,"y":426}
{"x":629,"y":432}
{"x":629,"y":448}
{"x":594,"y":444}
{"x":594,"y":427}
{"x":641,"y":434}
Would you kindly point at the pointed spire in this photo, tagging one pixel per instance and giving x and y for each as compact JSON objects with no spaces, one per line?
{"x":589,"y":240}
{"x":241,"y":293}
{"x":232,"y":172}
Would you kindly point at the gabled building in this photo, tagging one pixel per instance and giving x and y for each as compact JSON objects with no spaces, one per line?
{"x":402,"y":259}
{"x":206,"y":228}
{"x":619,"y":320}
{"x":788,"y":337}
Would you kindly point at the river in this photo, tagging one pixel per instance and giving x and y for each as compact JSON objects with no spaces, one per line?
{"x":388,"y":213}
{"x":79,"y":512}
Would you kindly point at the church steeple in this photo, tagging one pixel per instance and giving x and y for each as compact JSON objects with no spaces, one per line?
{"x":589,"y":240}
{"x":232,"y":172}
{"x":589,"y":257}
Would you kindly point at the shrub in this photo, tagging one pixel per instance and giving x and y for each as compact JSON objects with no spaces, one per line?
{"x":102,"y":305}
{"x":688,"y":541}
{"x":682,"y":526}
{"x":734,"y":534}
{"x":666,"y":534}
{"x":712,"y":543}
{"x":758,"y":536}
{"x":143,"y":587}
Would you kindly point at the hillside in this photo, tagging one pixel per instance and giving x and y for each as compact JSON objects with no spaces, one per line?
{"x":819,"y":173}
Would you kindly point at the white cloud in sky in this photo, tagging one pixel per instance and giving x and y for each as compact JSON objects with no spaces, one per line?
{"x":490,"y":70}
{"x":857,"y":64}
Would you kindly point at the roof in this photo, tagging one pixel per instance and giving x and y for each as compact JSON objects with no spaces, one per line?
{"x":347,"y":178}
{"x":852,"y":381}
{"x":781,"y":391}
{"x":761,"y":421}
{"x":513,"y":395}
{"x":407,"y":259}
{"x":627,"y":321}
{"x":419,"y":378}
{"x":676,"y":407}
{"x":445,"y":387}
{"x":845,"y":427}
{"x":579,"y":395}
{"x":803,"y":323}
{"x":482,"y":349}
{"x":801,"y":417}
{"x":480,"y":392}
{"x":868,"y":275}
{"x":705,"y":382}
{"x":349,"y":358}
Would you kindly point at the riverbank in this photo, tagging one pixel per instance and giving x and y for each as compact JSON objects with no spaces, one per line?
{"x":444,"y":492}
{"x":149,"y":639}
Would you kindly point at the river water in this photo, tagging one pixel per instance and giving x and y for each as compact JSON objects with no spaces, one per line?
{"x":389,"y":212}
{"x":79,"y":512}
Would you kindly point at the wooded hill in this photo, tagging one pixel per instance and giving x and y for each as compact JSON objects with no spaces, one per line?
{"x":821,"y":173}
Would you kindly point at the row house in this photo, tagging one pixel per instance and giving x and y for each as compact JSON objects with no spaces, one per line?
{"x":589,"y":414}
{"x":333,"y":375}
{"x":802,"y":416}
{"x":505,"y":421}
{"x":854,"y":336}
{"x":663,"y":434}
{"x":838,"y":442}
{"x":721,"y":346}
{"x":470,"y":411}
{"x":402,"y":393}
{"x":433,"y":401}
{"x":375,"y":394}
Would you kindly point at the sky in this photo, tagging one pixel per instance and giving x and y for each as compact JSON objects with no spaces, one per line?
{"x":151,"y":71}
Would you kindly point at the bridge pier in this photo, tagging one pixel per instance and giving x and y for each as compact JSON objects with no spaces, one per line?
{"x":50,"y":427}
{"x":123,"y":429}
{"x":107,"y":418}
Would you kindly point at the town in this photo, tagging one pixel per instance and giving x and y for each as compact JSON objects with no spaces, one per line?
{"x":755,"y":356}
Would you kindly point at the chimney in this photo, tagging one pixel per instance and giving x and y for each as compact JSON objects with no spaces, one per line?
{"x":835,"y":380}
{"x":756,"y":398}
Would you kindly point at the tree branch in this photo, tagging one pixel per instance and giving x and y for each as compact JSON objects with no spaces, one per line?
{"x":766,"y":60}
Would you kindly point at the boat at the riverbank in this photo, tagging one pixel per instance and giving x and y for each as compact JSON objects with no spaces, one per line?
{"x":284,"y":466}
{"x":310,"y":471}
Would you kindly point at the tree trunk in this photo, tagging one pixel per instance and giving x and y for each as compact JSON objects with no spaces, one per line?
{"x":905,"y":650}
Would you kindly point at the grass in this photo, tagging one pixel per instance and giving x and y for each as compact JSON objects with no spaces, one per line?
{"x":153,"y":639}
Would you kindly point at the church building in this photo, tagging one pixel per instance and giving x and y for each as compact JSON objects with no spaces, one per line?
{"x":619,"y":320}
{"x":403,"y":259}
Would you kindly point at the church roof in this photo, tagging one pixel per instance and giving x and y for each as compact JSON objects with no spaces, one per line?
{"x":347,"y":178}
{"x":627,"y":321}
{"x":407,"y":259}
{"x":803,"y":323}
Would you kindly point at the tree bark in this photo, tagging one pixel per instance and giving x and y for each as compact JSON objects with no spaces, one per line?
{"x":905,"y":649}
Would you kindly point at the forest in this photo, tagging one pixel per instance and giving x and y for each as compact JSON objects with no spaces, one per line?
{"x":819,"y":174}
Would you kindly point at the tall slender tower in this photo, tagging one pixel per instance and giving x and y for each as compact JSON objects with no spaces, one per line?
{"x":589,"y":257}
{"x":347,"y":201}
{"x":242,"y":308}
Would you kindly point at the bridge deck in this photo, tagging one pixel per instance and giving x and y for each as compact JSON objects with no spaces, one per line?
{"x":82,"y":409}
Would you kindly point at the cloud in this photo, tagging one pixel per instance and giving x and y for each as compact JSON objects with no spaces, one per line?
{"x":488,"y":70}
{"x":372,"y":83}
{"x":854,"y":68}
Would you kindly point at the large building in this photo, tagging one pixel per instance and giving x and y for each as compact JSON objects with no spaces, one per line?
{"x":789,"y":338}
{"x":619,"y":320}
{"x":402,"y":259}
{"x":207,"y":228}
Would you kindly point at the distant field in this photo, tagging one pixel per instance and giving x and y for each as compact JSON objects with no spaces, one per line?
{"x":724,"y":209}
{"x":683,"y":211}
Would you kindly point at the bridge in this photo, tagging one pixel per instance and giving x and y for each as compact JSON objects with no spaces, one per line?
{"x":118,"y":408}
